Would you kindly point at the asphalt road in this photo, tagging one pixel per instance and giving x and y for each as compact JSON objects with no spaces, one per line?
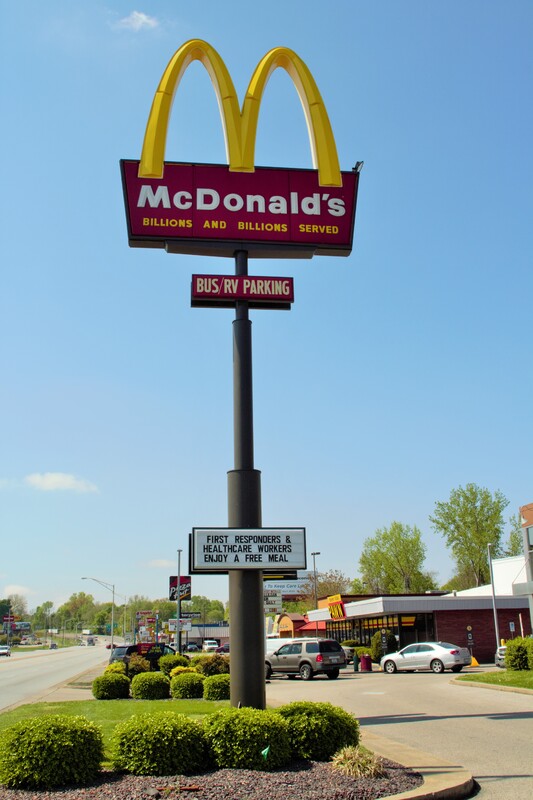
{"x":30,"y":674}
{"x":487,"y":732}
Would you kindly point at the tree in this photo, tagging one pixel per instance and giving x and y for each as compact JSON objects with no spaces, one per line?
{"x":19,"y":605}
{"x":211,"y":610}
{"x":80,"y":607}
{"x":515,"y":542}
{"x":392,"y":561}
{"x":469,"y":521}
{"x":328,"y":583}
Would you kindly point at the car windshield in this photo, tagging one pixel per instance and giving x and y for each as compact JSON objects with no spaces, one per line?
{"x":447,"y":645}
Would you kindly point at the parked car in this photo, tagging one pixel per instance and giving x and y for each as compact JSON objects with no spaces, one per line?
{"x":5,"y":650}
{"x":436,"y":656}
{"x":209,"y":645}
{"x":191,"y":647}
{"x":348,"y":652}
{"x":499,"y":658}
{"x":152,"y":651}
{"x":224,"y":648}
{"x":307,"y":658}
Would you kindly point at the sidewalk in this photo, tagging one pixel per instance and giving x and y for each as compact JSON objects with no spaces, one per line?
{"x":441,"y":780}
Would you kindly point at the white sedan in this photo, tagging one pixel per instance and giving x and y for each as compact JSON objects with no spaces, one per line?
{"x":435,"y":656}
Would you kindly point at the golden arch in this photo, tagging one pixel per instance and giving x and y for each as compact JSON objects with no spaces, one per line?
{"x":240,"y":127}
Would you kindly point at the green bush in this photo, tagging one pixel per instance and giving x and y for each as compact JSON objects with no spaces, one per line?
{"x":519,"y":654}
{"x":187,"y":686}
{"x":216,"y":687}
{"x":167,"y":663}
{"x":111,"y":686}
{"x":164,"y":743}
{"x":182,"y":671}
{"x":248,"y":738}
{"x":318,"y":730}
{"x":137,"y":664}
{"x":350,"y":643}
{"x":211,"y":664}
{"x":357,"y":762}
{"x":376,"y":649}
{"x":45,"y":752}
{"x":117,"y":666}
{"x":150,"y":686}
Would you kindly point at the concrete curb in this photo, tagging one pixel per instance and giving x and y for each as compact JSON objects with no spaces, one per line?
{"x":441,"y":779}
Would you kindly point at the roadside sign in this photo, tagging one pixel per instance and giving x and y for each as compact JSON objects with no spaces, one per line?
{"x":222,"y":549}
{"x":272,"y":601}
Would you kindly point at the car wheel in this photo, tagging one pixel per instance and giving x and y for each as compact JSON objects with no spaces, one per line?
{"x":389,"y":667}
{"x":306,"y":673}
{"x":457,"y":669}
{"x":437,"y":666}
{"x":333,"y":674}
{"x":268,"y":672}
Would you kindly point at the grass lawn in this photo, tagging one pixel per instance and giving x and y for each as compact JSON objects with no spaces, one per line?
{"x":504,"y":677}
{"x":108,"y":713}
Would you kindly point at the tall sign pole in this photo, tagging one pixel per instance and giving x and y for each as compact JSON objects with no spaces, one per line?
{"x":247,"y":634}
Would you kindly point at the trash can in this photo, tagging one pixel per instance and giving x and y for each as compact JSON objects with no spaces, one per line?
{"x":366,"y":663}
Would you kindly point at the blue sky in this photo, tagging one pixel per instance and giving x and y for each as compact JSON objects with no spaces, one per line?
{"x":400,"y":373}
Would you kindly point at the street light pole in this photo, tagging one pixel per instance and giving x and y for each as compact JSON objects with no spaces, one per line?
{"x":111,"y":587}
{"x":496,"y":629}
{"x":315,"y":554}
{"x":178,"y":606}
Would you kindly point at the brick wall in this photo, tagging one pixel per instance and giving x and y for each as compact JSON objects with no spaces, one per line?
{"x":451,"y":626}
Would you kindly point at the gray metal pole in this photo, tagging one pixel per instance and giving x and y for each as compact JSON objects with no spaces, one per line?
{"x":495,"y":612}
{"x":247,"y":632}
{"x":178,"y":608}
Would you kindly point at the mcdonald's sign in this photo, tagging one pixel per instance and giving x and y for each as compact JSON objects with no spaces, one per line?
{"x":209,"y":209}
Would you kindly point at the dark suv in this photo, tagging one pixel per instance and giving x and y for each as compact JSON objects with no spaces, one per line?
{"x":152,"y":651}
{"x":306,"y":658}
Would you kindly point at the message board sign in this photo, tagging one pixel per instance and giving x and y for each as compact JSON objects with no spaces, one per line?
{"x":221,"y":549}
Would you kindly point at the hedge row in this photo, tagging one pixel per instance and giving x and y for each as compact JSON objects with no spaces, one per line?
{"x":186,"y":684}
{"x":54,"y":751}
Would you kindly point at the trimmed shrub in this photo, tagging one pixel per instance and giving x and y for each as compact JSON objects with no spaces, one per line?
{"x":211,"y":664}
{"x":318,"y":730}
{"x":164,"y":743}
{"x":111,"y":686}
{"x":150,"y":686}
{"x":117,"y":666}
{"x":216,"y":687}
{"x":46,"y":752}
{"x":516,"y":655}
{"x":248,"y":738}
{"x":137,"y":664}
{"x":167,"y":663}
{"x":350,"y":643}
{"x":187,"y":686}
{"x":376,"y":649}
{"x":182,"y":671}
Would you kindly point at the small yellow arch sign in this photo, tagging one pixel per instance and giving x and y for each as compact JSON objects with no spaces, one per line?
{"x":210,"y":209}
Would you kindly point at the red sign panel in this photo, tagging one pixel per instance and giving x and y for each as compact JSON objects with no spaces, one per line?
{"x":205,"y":209}
{"x":224,"y":290}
